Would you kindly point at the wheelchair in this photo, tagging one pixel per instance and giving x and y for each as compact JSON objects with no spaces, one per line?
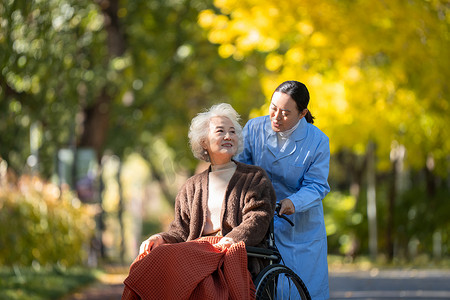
{"x":275,"y":279}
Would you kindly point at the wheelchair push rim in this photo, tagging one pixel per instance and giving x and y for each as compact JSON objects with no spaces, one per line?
{"x":272,"y":276}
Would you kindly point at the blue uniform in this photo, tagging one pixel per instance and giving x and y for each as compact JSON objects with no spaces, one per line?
{"x":300,"y":173}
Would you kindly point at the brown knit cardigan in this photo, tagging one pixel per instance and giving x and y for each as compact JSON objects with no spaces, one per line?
{"x":247,"y":210}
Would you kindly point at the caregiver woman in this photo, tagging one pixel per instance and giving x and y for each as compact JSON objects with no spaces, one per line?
{"x":296,"y":156}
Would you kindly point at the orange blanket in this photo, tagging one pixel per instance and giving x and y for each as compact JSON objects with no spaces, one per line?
{"x":191,"y":270}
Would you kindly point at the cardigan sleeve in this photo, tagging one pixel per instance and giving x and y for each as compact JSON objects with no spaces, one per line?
{"x":258,"y":204}
{"x":179,"y":228}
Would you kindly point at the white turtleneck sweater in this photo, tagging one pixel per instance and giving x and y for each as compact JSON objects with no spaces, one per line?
{"x":219,"y":177}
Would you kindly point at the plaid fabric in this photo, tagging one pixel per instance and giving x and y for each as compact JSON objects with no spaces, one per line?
{"x":191,"y":270}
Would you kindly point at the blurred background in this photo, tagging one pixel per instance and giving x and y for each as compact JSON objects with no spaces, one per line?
{"x":96,"y":97}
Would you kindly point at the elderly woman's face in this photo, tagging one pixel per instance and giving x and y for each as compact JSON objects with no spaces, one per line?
{"x":222,"y":141}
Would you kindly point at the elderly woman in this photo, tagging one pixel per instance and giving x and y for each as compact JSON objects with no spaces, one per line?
{"x":231,"y":201}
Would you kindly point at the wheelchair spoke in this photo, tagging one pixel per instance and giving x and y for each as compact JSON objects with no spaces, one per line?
{"x":280,"y":282}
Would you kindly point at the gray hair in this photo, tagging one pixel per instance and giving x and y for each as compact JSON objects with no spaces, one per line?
{"x":199,"y":129}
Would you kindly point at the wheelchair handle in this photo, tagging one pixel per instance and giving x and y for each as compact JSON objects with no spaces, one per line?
{"x":277,"y":210}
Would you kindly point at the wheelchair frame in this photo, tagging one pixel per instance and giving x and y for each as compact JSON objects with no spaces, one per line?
{"x":266,"y":281}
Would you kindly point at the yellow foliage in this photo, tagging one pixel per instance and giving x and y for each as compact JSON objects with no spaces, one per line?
{"x":318,"y":40}
{"x":305,"y":27}
{"x":294,"y":55}
{"x":206,"y":18}
{"x":376,"y":71}
{"x":352,"y":55}
{"x":226,"y":50}
{"x":274,"y":61}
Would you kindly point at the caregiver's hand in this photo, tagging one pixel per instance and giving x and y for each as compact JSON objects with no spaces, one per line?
{"x":287,"y":207}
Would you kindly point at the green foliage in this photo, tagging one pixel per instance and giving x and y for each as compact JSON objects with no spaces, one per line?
{"x":173,"y":72}
{"x":422,"y":218}
{"x":42,"y":225}
{"x":51,"y":63}
{"x":56,"y":61}
{"x":25,"y":283}
{"x":420,"y":225}
{"x":340,"y":221}
{"x":150,"y":227}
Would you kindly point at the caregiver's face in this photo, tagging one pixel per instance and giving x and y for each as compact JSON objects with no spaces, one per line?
{"x":283,"y":112}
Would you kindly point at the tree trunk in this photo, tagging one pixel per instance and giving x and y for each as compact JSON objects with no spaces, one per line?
{"x":96,"y":123}
{"x":357,"y":167}
{"x":162,"y":183}
{"x":120,"y":216}
{"x":391,"y":212}
{"x":96,"y":116}
{"x":371,"y":202}
{"x":397,"y":185}
{"x":430,"y":178}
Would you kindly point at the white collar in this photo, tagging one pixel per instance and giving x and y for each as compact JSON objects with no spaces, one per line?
{"x":287,"y":133}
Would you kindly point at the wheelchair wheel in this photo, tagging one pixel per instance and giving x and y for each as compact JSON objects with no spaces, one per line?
{"x":279,"y":282}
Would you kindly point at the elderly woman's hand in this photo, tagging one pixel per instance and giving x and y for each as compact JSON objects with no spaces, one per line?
{"x":151,"y":243}
{"x":224,"y":242}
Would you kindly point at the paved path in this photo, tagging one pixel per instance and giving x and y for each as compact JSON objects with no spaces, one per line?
{"x":109,"y":287}
{"x":373,"y":285}
{"x":390,"y":284}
